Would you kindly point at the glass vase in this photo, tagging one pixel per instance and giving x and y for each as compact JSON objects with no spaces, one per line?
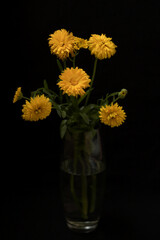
{"x":82,"y":180}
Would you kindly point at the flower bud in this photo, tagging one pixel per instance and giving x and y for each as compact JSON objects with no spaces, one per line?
{"x":123,"y":93}
{"x":18,"y":95}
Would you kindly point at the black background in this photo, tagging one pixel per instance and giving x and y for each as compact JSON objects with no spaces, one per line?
{"x":30,"y":169}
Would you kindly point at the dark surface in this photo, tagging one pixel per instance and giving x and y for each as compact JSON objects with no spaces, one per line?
{"x":30,"y":169}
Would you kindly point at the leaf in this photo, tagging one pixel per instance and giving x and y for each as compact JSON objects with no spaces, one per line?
{"x":85,"y":117}
{"x":63,"y":114}
{"x":63,"y":128}
{"x":50,"y":93}
{"x":38,"y":91}
{"x":45,"y":84}
{"x":59,"y":113}
{"x":90,"y":107}
{"x":47,"y":92}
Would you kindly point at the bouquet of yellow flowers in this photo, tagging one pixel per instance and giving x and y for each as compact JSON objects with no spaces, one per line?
{"x":82,"y":166}
{"x":75,"y":87}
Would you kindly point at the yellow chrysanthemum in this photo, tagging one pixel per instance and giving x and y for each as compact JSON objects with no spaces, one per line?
{"x":37,"y":109}
{"x":101,"y":46}
{"x":18,"y":95}
{"x":112,"y":115}
{"x":61,"y":43}
{"x":80,"y":43}
{"x":74,"y":81}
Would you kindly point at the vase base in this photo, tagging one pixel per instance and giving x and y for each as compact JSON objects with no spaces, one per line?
{"x":82,"y":227}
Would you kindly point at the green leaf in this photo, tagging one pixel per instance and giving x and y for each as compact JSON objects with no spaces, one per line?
{"x":90,"y":107}
{"x":51,"y":94}
{"x":63,"y":114}
{"x":63,"y":128}
{"x":45,"y":84}
{"x":48,"y":93}
{"x":85,"y":117}
{"x":59,"y":113}
{"x":38,"y":91}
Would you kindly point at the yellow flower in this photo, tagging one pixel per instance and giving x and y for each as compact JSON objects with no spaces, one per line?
{"x":61,"y":43}
{"x":38,"y":108}
{"x":112,"y":115}
{"x":101,"y":46}
{"x":80,"y":43}
{"x":73,"y":81}
{"x":18,"y":95}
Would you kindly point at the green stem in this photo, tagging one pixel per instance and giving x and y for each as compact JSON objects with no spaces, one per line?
{"x":74,"y":62}
{"x":111,"y":95}
{"x":74,"y":101}
{"x":93,"y":194}
{"x":78,"y":157}
{"x":84,"y":192}
{"x":116,"y":99}
{"x":64,"y":63}
{"x":94,"y":71}
{"x":72,"y":188}
{"x":84,"y":197}
{"x":60,"y":96}
{"x":84,"y":182}
{"x":92,"y":80}
{"x":26,"y":98}
{"x":59,"y":65}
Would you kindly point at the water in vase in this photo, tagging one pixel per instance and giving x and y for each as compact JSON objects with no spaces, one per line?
{"x":82,"y":194}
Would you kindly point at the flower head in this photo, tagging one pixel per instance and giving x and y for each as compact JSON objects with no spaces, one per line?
{"x":112,"y":115}
{"x":101,"y":46}
{"x":38,"y":108}
{"x":61,"y":43}
{"x":80,"y":43}
{"x":74,"y":81}
{"x":18,"y":95}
